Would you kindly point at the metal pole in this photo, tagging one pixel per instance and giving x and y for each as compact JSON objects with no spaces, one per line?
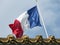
{"x":41,"y":18}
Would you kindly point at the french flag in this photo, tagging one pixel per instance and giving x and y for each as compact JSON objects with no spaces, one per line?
{"x":27,"y":20}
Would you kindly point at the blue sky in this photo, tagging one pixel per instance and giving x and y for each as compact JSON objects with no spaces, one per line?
{"x":50,"y":11}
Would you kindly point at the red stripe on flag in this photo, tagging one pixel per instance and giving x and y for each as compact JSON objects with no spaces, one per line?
{"x":16,"y":28}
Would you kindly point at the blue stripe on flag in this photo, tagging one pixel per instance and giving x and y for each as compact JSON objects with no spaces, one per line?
{"x":34,"y":18}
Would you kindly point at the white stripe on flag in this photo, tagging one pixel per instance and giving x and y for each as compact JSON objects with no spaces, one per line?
{"x":23,"y":19}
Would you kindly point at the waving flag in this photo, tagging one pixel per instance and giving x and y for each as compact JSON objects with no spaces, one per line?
{"x":28,"y":19}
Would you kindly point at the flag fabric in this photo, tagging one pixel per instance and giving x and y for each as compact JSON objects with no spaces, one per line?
{"x":27,"y":20}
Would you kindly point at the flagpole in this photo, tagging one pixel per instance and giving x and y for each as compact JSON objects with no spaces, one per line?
{"x":41,"y":19}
